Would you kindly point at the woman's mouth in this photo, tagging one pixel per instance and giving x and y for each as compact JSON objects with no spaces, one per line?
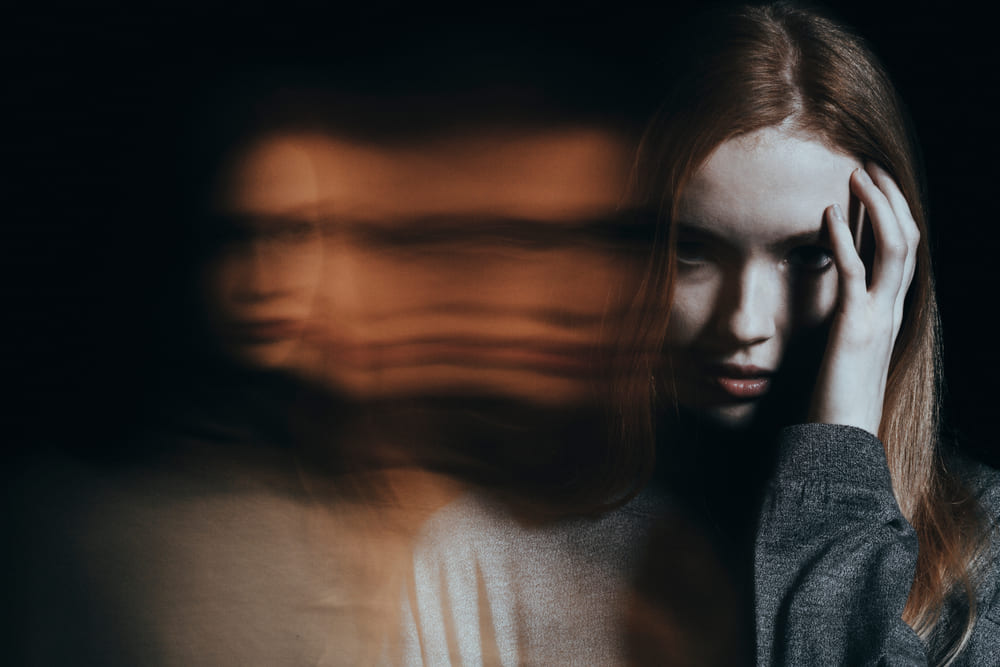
{"x":741,"y":382}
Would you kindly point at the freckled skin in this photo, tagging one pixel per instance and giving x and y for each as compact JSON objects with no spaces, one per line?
{"x":750,"y":280}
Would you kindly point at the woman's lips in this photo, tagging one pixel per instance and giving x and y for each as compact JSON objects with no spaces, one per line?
{"x":741,"y":382}
{"x":743,"y":387}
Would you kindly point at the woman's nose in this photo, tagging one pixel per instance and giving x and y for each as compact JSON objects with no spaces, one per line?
{"x":752,"y":306}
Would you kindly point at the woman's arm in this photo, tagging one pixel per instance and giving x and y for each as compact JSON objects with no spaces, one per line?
{"x":834,"y":557}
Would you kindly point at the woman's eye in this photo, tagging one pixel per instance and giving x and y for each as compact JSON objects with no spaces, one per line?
{"x":811,"y":258}
{"x":692,"y":253}
{"x":291,"y":231}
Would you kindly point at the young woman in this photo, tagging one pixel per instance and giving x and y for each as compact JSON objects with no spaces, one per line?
{"x":789,"y":333}
{"x":793,"y":263}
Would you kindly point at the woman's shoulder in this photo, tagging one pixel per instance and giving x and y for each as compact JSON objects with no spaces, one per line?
{"x":486,"y":521}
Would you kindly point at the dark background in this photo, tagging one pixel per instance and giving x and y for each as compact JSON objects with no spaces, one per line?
{"x":94,"y":99}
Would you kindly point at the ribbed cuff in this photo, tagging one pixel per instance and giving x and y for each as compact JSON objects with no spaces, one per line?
{"x":832,"y":453}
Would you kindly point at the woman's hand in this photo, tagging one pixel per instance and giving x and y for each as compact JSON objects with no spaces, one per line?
{"x":850,"y":388}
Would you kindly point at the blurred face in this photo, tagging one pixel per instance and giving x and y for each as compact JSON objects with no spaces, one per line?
{"x":480,"y":264}
{"x":754,"y":272}
{"x":263,"y":282}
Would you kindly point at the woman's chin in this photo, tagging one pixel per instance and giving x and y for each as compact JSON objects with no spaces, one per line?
{"x":731,"y":416}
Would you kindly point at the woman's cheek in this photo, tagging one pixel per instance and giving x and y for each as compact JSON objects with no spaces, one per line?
{"x":817,"y":300}
{"x":691,"y":311}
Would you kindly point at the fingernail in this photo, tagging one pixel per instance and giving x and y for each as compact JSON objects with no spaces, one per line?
{"x":863,"y":175}
{"x":838,"y":214}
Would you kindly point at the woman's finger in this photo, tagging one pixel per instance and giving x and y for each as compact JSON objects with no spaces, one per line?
{"x":850,"y":268}
{"x":907,"y":225}
{"x":888,"y":187}
{"x":890,"y":245}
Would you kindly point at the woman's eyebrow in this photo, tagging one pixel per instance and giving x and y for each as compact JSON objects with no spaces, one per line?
{"x":693,"y":231}
{"x":690,"y":231}
{"x":813,"y":237}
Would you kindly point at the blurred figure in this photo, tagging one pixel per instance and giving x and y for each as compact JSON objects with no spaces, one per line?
{"x":371,"y":319}
{"x":263,"y":283}
{"x":481,"y":264}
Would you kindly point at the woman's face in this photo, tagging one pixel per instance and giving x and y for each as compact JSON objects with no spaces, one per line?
{"x":475,"y":264}
{"x":263,"y":282}
{"x":754,"y":271}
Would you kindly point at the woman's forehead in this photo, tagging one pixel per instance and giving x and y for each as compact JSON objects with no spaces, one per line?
{"x":766,"y":185}
{"x":549,"y":174}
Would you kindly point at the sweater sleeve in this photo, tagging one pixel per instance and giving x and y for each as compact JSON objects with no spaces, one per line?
{"x":835,"y":558}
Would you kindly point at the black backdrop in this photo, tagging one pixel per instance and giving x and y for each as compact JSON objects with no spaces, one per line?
{"x":87,"y":245}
